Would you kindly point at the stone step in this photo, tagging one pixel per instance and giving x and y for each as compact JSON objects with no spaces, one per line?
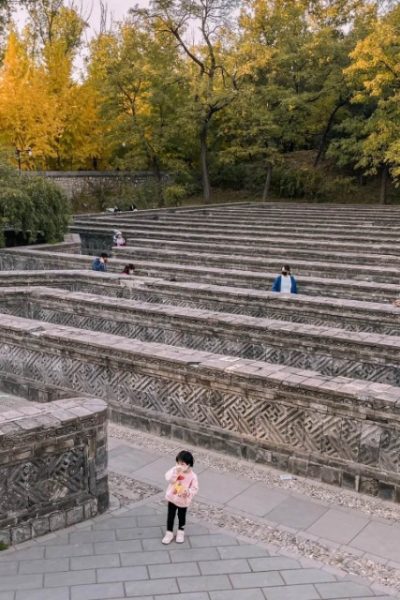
{"x":358,"y":272}
{"x":99,"y":238}
{"x":273,"y":249}
{"x":17,"y":259}
{"x":263,"y":232}
{"x":328,"y":351}
{"x":277,"y":220}
{"x":353,"y":315}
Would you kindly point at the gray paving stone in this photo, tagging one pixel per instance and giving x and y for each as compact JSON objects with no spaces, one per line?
{"x":69,"y":550}
{"x":148,"y":588}
{"x":273,"y":563}
{"x":379,"y":539}
{"x":212,"y":539}
{"x":20,"y":582}
{"x":292,"y":592}
{"x":95,"y":562}
{"x":117,"y":523}
{"x":36,"y":551}
{"x":258,"y":499}
{"x":131,"y":461}
{"x":182,"y":555}
{"x":8,"y":568}
{"x":251,"y":580}
{"x":117,"y":547}
{"x":138,"y":533}
{"x":233,"y":565}
{"x":142,"y":510}
{"x":196,"y":529}
{"x":144,"y":558}
{"x":122,"y":574}
{"x":68,"y":578}
{"x":151,"y":520}
{"x":253,"y":594}
{"x":184,"y":569}
{"x":155,"y":544}
{"x":297,"y":513}
{"x":219,"y":487}
{"x":97,"y":591}
{"x":307,"y":576}
{"x":338,"y":525}
{"x":61,"y":593}
{"x":192,"y":596}
{"x":6,"y":595}
{"x":84,"y":537}
{"x":44,"y":565}
{"x":342,"y":589}
{"x":154,"y":472}
{"x":204,"y":584}
{"x":247,"y":551}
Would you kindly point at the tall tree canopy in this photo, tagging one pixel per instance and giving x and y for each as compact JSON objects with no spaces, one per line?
{"x":205,"y":89}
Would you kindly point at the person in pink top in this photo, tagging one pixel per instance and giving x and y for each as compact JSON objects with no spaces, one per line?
{"x":182,"y":487}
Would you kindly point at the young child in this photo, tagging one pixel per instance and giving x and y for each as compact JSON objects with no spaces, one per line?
{"x":182,"y":487}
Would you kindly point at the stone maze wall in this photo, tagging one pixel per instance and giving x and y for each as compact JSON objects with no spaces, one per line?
{"x":53,"y":459}
{"x":196,"y":346}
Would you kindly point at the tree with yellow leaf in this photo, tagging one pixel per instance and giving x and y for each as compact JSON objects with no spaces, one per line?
{"x":27,"y":113}
{"x":370,"y":138}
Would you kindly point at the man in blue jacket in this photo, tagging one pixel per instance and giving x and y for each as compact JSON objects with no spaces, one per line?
{"x":100,"y":263}
{"x":285,"y":283}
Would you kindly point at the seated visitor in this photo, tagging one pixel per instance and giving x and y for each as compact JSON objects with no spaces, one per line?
{"x":128,"y":269}
{"x":285,"y":283}
{"x":100,"y":263}
{"x":118,"y":239}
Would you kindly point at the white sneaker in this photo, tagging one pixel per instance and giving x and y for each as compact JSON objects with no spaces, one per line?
{"x":168,"y":537}
{"x":180,"y":536}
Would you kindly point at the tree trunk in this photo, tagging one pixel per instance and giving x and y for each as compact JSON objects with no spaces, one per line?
{"x":204,"y":162}
{"x":384,"y":180}
{"x":159,"y":182}
{"x":322,"y":145}
{"x":267,"y":184}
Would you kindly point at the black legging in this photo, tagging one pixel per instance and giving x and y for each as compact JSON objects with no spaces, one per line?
{"x":172,"y":508}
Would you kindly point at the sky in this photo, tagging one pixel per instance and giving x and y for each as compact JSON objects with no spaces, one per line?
{"x":91,"y":10}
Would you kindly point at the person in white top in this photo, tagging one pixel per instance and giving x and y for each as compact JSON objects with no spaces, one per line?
{"x":285,"y":283}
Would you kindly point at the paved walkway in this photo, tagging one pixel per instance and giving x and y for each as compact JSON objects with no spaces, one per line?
{"x":339,"y":528}
{"x":120,"y":555}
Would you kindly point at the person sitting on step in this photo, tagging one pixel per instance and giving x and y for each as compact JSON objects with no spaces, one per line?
{"x":285,"y":283}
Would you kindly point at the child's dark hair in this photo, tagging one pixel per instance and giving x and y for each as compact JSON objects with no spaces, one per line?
{"x":185,"y":457}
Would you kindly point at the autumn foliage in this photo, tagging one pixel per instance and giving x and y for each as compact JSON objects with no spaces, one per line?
{"x":255,"y":82}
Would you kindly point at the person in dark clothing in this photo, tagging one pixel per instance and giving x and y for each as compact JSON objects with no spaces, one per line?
{"x":128,"y":269}
{"x":100,"y":263}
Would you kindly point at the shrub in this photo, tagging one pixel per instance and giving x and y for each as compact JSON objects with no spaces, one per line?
{"x":51,"y":208}
{"x":32,"y":206}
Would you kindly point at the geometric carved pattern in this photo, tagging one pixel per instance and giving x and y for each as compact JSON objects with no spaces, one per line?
{"x":284,"y":425}
{"x":303,"y":357}
{"x":42,"y":480}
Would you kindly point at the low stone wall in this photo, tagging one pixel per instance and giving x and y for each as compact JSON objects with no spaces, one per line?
{"x":77,"y":182}
{"x":53,"y":464}
{"x":330,"y":352}
{"x":351,"y":315}
{"x":345,"y":432}
{"x":29,"y":259}
{"x":306,"y":269}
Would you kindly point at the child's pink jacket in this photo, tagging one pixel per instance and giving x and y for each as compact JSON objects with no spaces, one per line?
{"x":182,"y":487}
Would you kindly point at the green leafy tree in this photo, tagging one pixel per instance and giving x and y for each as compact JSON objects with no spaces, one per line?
{"x":138,"y":76}
{"x":369,"y":140}
{"x":211,"y":77}
{"x":32,"y":206}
